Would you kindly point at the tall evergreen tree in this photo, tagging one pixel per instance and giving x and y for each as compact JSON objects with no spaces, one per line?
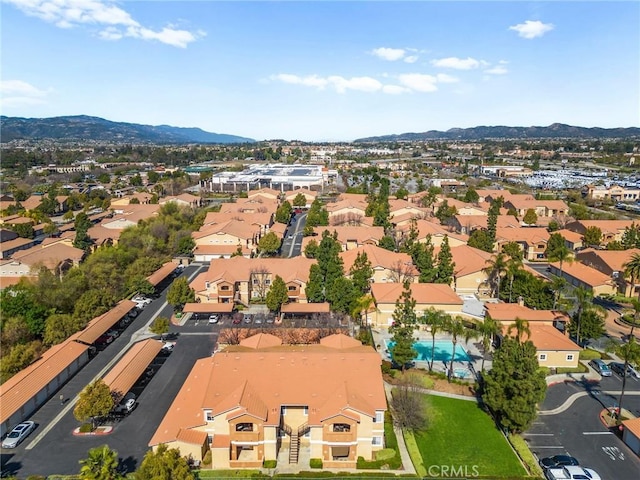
{"x":277,"y":294}
{"x":328,"y":269}
{"x":361,"y":273}
{"x":423,"y":259}
{"x":515,"y":385}
{"x":404,"y":324}
{"x":446,"y":265}
{"x":492,"y":220}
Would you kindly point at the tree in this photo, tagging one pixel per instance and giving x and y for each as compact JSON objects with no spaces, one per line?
{"x":277,"y":294}
{"x":495,"y":270}
{"x":630,"y":353}
{"x":329,"y":268}
{"x":60,"y":326}
{"x":342,"y":295}
{"x":471,"y":196}
{"x":514,"y":385}
{"x":592,"y":237}
{"x":311,"y":249}
{"x":387,"y":243}
{"x":558,"y":285}
{"x":317,"y":215}
{"x":160,"y":325}
{"x":446,"y":265}
{"x":436,"y":320}
{"x":402,"y":328}
{"x":423,"y":259}
{"x":488,"y":330}
{"x":632,"y":270}
{"x":50,"y":229}
{"x":362,"y":304}
{"x":444,"y":213}
{"x":269,"y":244}
{"x":535,"y":292}
{"x":24,"y":230}
{"x":530,"y":217}
{"x":521,"y":328}
{"x":631,"y":237}
{"x":164,"y":463}
{"x":557,"y":250}
{"x":409,"y":409}
{"x":94,"y":401}
{"x":300,"y":200}
{"x":402,"y":193}
{"x":457,"y":329}
{"x":361,"y":273}
{"x":492,"y":220}
{"x":180,"y":293}
{"x":283,"y":213}
{"x":481,"y":240}
{"x":82,"y":225}
{"x":101,"y":464}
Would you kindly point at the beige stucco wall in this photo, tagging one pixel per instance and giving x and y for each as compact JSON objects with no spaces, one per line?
{"x":557,"y":359}
{"x":471,"y":283}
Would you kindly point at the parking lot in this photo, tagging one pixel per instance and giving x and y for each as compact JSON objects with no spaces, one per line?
{"x":578,"y":431}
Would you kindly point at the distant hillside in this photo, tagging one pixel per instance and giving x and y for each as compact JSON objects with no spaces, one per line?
{"x":85,"y":128}
{"x":557,"y":130}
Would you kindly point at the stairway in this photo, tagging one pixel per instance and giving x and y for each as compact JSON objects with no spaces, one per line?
{"x":294,"y":447}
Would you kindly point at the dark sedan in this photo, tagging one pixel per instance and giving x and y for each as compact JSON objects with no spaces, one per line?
{"x":558,"y":461}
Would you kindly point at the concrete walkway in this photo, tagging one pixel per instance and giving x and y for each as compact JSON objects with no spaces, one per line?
{"x":569,"y":401}
{"x":402,"y":446}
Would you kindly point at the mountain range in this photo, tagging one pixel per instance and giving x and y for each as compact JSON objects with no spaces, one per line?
{"x":85,"y":128}
{"x":556,"y":130}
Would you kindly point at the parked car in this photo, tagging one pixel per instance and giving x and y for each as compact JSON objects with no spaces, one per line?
{"x":213,"y":319}
{"x":168,"y":347}
{"x":114,"y":333}
{"x":18,"y":434}
{"x":558,"y":461}
{"x":572,"y":472}
{"x":104,"y":339}
{"x":618,"y":367}
{"x":126,"y":405}
{"x":237,"y":320}
{"x":141,"y":299}
{"x":247,"y":319}
{"x":600,"y":367}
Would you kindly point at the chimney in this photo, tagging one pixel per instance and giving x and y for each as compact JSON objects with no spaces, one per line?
{"x":521,"y":301}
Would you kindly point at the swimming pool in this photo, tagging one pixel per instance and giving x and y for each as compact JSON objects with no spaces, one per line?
{"x":441,"y":352}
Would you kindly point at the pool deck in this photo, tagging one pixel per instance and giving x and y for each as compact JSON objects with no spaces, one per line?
{"x":464,"y":369}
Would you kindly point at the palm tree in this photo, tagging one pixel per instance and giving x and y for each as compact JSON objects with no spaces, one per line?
{"x":561,"y":254}
{"x":584,"y":303}
{"x":102,"y":464}
{"x":558,"y":285}
{"x":436,"y":320}
{"x":362,"y":304}
{"x":513,"y":267}
{"x":630,"y":353}
{"x":456,"y":328}
{"x":488,"y":329}
{"x":521,"y":327}
{"x":632,"y":270}
{"x":495,"y":270}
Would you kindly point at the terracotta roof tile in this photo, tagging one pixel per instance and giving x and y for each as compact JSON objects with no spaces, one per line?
{"x":101,"y":324}
{"x":379,"y":257}
{"x":163,"y":272}
{"x":132,"y":365}
{"x":422,"y":293}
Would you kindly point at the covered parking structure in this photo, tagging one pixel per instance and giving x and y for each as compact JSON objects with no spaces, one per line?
{"x":100,"y":325}
{"x":160,"y":275}
{"x":304,"y":310}
{"x":123,"y":376}
{"x":206,"y":308}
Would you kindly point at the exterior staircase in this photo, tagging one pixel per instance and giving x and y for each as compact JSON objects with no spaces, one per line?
{"x":294,"y":448}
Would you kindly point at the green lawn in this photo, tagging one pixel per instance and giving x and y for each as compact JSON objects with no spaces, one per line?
{"x":460,"y":434}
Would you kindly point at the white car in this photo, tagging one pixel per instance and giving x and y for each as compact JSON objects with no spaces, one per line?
{"x":571,"y":473}
{"x":168,"y":347}
{"x":140,"y":299}
{"x":18,"y":434}
{"x":213,"y":318}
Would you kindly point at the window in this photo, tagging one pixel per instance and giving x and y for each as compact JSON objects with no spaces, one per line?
{"x":379,"y":417}
{"x":543,"y":356}
{"x":224,"y":287}
{"x":569,"y":357}
{"x":292,"y":288}
{"x":255,"y":281}
{"x":376,"y":441}
{"x":341,"y":427}
{"x":208,"y":415}
{"x":244,"y":427}
{"x":207,"y":285}
{"x":267,"y":282}
{"x":306,"y":411}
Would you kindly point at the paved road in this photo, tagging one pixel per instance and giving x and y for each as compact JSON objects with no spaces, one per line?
{"x":53,"y":449}
{"x":578,"y":431}
{"x":292,"y":247}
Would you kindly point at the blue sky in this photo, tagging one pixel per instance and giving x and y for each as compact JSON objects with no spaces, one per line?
{"x":323,"y":71}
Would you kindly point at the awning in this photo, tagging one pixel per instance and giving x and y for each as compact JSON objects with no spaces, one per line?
{"x":128,"y":370}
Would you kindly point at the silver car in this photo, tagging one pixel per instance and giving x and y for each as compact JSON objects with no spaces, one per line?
{"x":18,"y":434}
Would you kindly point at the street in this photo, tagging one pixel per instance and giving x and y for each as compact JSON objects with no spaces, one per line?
{"x":292,"y":247}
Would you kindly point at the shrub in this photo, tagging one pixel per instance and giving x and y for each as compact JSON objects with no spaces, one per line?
{"x":206,"y":460}
{"x":315,"y":463}
{"x":269,"y":463}
{"x":522,"y":449}
{"x":589,"y":354}
{"x":86,"y":428}
{"x":160,"y":325}
{"x":386,"y":367}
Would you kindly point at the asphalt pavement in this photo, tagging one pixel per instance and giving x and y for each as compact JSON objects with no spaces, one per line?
{"x":292,"y":247}
{"x":53,"y":449}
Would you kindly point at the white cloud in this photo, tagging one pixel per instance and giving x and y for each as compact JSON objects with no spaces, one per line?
{"x":390,"y":54}
{"x":411,"y":59}
{"x":497,"y":70}
{"x":444,"y":78}
{"x":19,"y":93}
{"x":103,"y":13}
{"x":456,"y":63}
{"x":395,"y":89}
{"x":419,"y":82}
{"x":362,"y":84}
{"x":308,"y":81}
{"x":532,"y":29}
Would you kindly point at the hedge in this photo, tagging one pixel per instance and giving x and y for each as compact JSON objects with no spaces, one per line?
{"x":315,"y":463}
{"x":521,"y":447}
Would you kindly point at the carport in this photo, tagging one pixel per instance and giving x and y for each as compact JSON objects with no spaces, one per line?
{"x":631,"y":434}
{"x":128,"y":370}
{"x":162,"y":273}
{"x":100,"y":325}
{"x":208,"y":308}
{"x":296,"y":310}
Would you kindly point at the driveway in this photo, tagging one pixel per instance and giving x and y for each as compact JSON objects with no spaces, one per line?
{"x":578,"y":431}
{"x":292,"y":247}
